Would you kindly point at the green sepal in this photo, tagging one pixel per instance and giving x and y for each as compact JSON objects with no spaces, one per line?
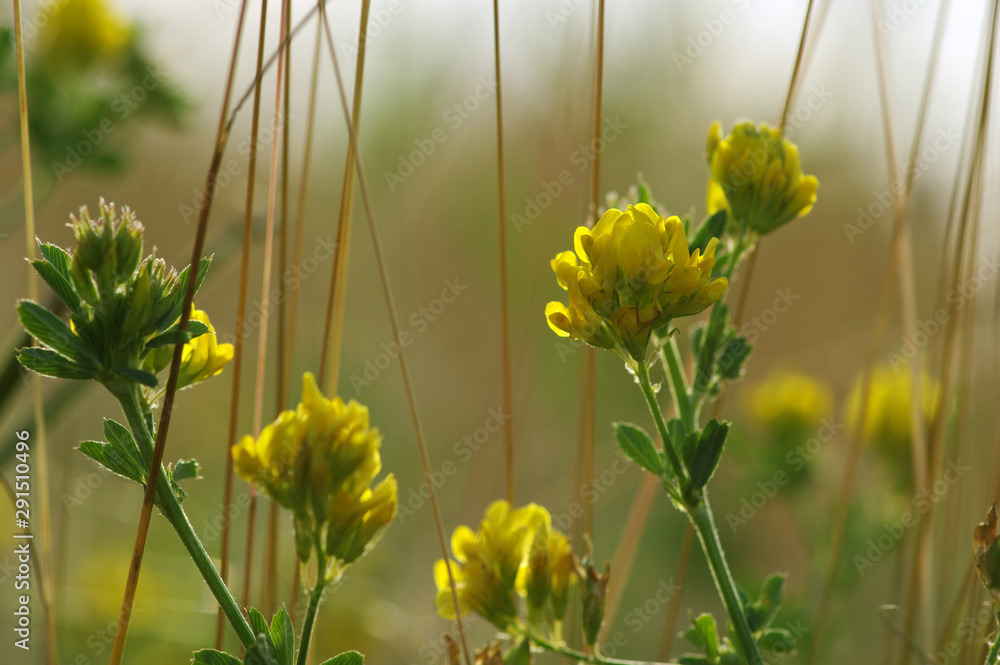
{"x":213,"y":657}
{"x":346,"y":658}
{"x":50,"y":363}
{"x":175,"y":335}
{"x":711,"y":227}
{"x":56,"y":334}
{"x":139,"y":376}
{"x":638,"y":447}
{"x":262,"y":652}
{"x":519,"y":654}
{"x":704,"y":634}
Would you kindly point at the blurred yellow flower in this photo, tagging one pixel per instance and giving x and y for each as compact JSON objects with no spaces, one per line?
{"x":887,"y":423}
{"x":81,"y":31}
{"x":490,"y":565}
{"x":757,"y":172}
{"x":630,"y":274}
{"x":202,"y":357}
{"x":790,"y":401}
{"x":319,"y":461}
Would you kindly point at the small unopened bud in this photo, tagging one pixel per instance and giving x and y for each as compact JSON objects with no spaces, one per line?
{"x":594,"y":588}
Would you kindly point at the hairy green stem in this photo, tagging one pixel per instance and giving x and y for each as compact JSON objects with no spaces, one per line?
{"x":993,"y":657}
{"x":563,"y":650}
{"x":307,"y":627}
{"x":700,"y":514}
{"x":704,"y":524}
{"x":678,"y":385}
{"x":654,"y":407}
{"x":171,"y":508}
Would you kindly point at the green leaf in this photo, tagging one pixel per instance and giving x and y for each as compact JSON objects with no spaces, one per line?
{"x":58,"y":282}
{"x":638,"y":447}
{"x":770,"y":600}
{"x":776,"y":642}
{"x":520,"y":654}
{"x":137,"y":375}
{"x":125,"y":446}
{"x":704,"y":457}
{"x":257,"y":622}
{"x":58,"y":257}
{"x":53,"y":332}
{"x":106,"y":455}
{"x":283,"y":636}
{"x":711,"y":227}
{"x":261,"y":653}
{"x":185,"y":469}
{"x":50,"y":363}
{"x":213,"y":657}
{"x":174,"y":335}
{"x":346,"y":658}
{"x":177,"y":296}
{"x":705,"y":635}
{"x":735,"y":352}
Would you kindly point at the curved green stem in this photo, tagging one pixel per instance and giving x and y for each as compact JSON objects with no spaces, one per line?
{"x":697,"y":507}
{"x":704,"y":524}
{"x":307,"y":628}
{"x":642,"y":372}
{"x":591,"y":659}
{"x":172,"y":510}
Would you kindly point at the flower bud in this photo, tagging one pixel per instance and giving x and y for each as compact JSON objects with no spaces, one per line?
{"x":594,"y":588}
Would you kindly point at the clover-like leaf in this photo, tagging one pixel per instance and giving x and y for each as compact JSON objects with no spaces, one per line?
{"x":638,"y":447}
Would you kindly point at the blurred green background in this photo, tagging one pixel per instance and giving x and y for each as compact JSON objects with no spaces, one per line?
{"x":662,"y":89}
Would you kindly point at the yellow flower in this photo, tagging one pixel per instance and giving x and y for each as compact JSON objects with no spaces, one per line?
{"x":319,"y":461}
{"x":202,"y":357}
{"x":790,"y":401}
{"x":756,"y":174}
{"x":356,"y":523}
{"x":631,"y":274}
{"x":887,"y":423}
{"x":562,"y":563}
{"x":80,"y":31}
{"x":490,"y":564}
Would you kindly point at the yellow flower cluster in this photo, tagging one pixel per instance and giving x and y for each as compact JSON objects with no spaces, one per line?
{"x":80,"y":31}
{"x":631,"y":274}
{"x":515,"y":552}
{"x":790,"y":401}
{"x":756,"y":174}
{"x":319,"y":461}
{"x":887,"y":422}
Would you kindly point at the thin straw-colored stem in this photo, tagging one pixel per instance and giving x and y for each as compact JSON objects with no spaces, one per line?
{"x":403,"y":364}
{"x":795,"y":69}
{"x":282,"y":370}
{"x":237,"y":364}
{"x":333,"y":329}
{"x":168,"y":400}
{"x":299,"y":236}
{"x":504,"y":317}
{"x":265,"y":296}
{"x":41,"y":455}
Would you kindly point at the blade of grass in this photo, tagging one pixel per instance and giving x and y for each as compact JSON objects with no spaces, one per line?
{"x":394,"y":323}
{"x":171,"y":389}
{"x":299,"y":236}
{"x":333,"y":331}
{"x":241,"y":333}
{"x":41,"y":455}
{"x":281,"y":396}
{"x":508,"y":399}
